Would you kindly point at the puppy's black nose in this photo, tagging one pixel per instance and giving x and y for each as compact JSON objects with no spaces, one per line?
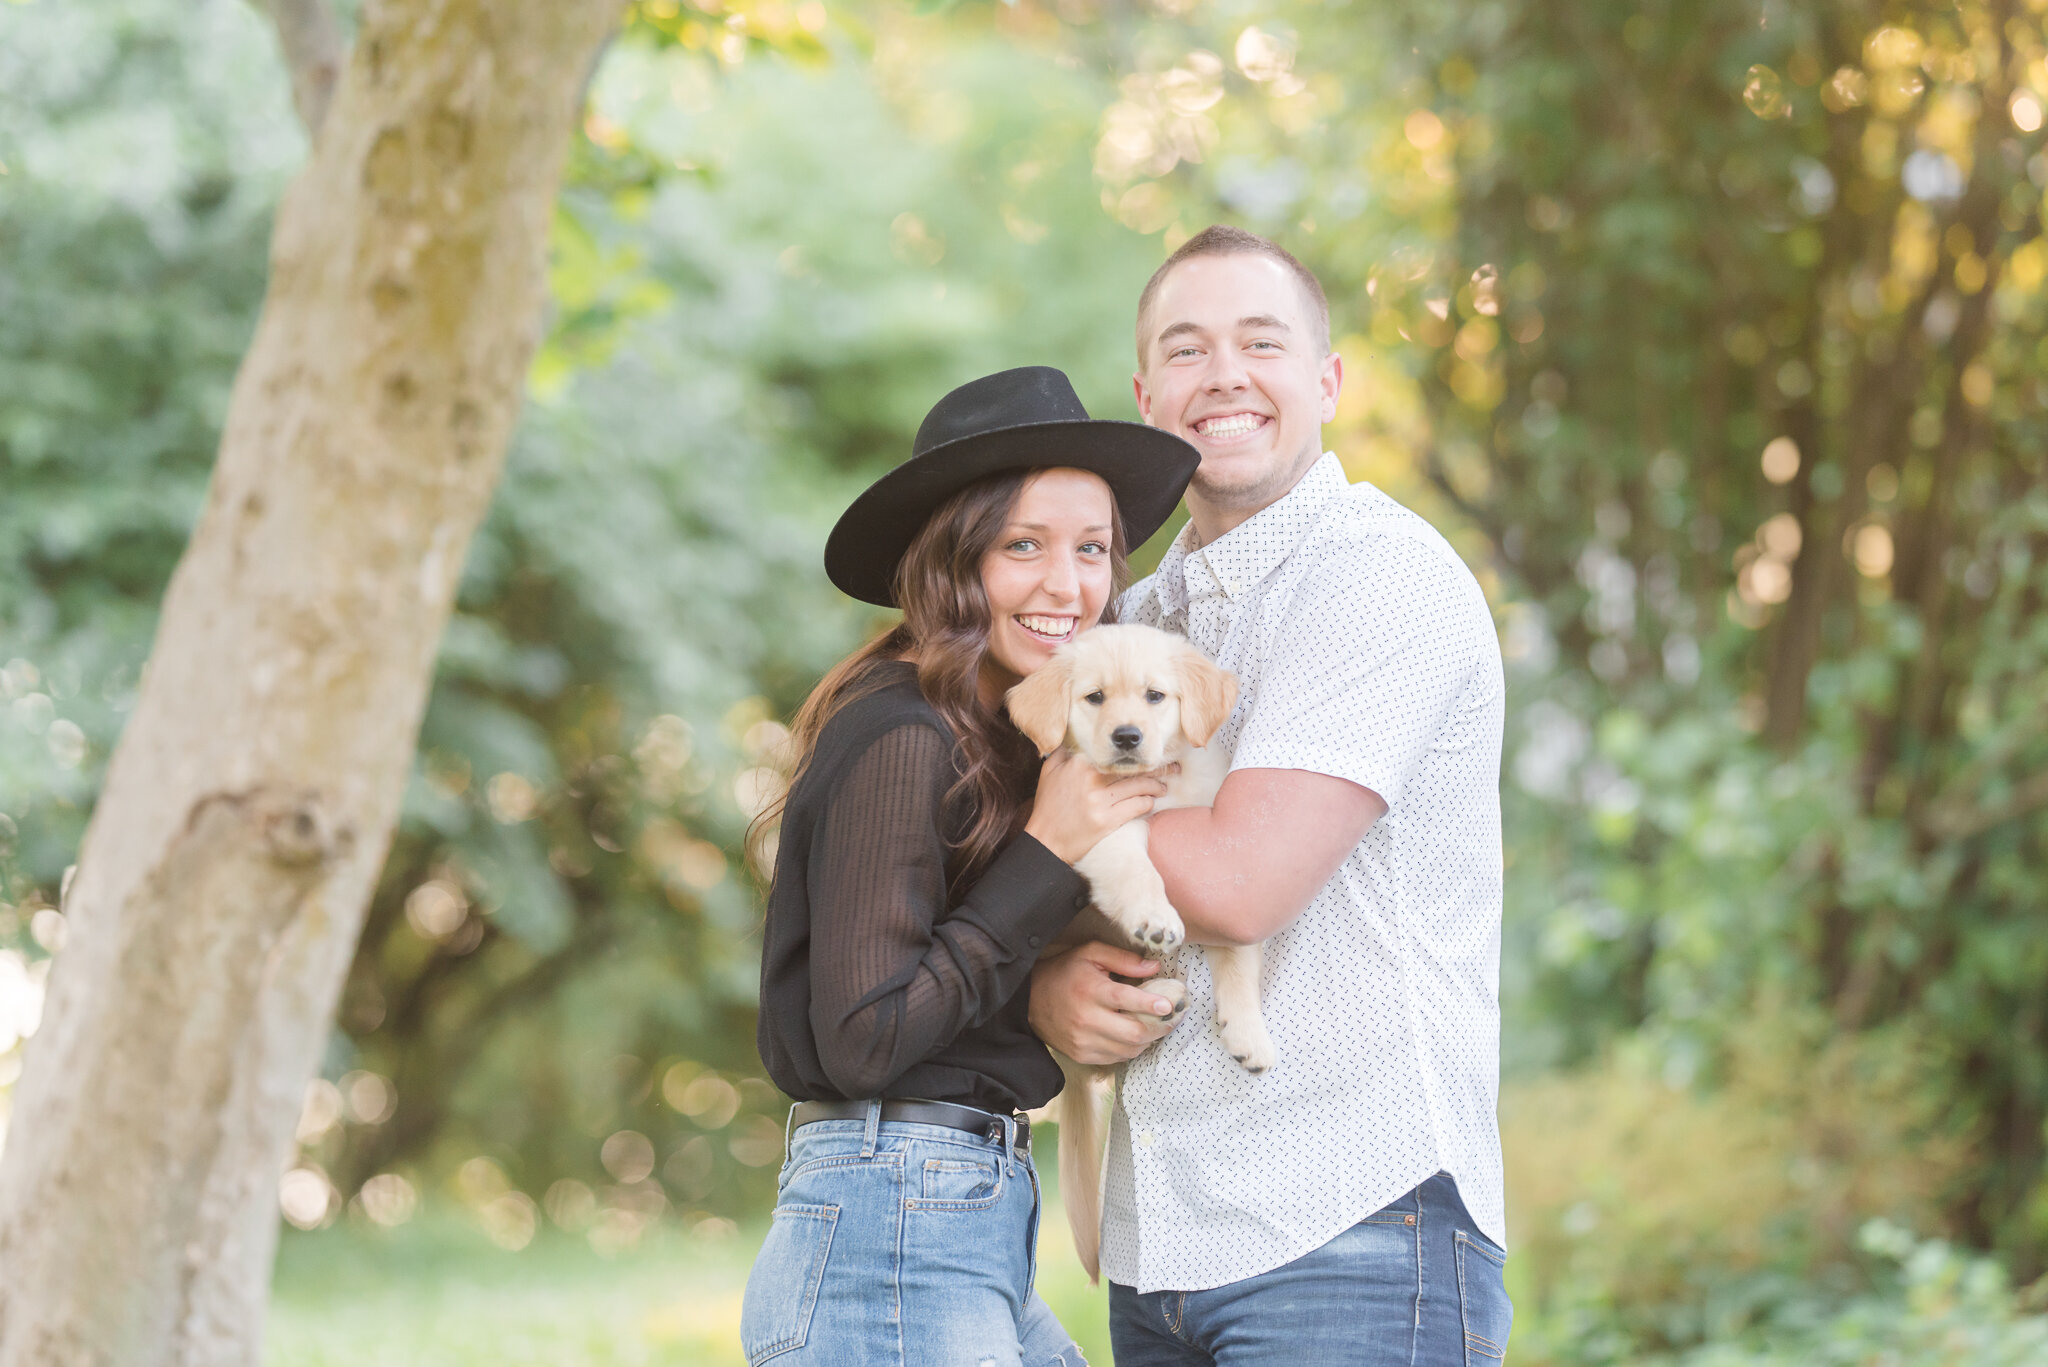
{"x":1126,"y":737}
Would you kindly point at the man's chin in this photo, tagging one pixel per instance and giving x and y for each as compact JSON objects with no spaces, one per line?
{"x":1235,"y":478}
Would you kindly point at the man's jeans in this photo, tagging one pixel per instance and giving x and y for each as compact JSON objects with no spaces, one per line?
{"x":901,"y":1245}
{"x":1416,"y":1285}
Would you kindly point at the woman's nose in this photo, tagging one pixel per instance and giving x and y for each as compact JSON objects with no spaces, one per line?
{"x":1061,"y":578}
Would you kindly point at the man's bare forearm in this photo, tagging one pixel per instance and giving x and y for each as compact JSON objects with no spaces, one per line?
{"x":1245,"y":868}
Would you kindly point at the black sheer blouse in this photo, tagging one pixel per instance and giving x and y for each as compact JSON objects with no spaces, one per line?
{"x":873,"y":982}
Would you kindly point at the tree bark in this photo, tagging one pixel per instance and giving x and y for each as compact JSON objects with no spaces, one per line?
{"x":309,"y":37}
{"x":222,"y":882}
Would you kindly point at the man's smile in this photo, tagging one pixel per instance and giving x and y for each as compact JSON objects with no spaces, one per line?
{"x":1230,"y":426}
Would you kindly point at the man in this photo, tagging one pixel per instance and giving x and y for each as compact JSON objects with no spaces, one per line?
{"x":1346,"y":1206}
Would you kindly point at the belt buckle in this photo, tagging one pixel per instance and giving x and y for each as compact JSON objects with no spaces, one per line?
{"x":1022,"y":1125}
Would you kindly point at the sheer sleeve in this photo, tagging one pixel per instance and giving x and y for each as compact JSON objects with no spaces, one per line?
{"x":896,"y":974}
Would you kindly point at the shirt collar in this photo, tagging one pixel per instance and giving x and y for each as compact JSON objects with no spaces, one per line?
{"x":1243,"y":556}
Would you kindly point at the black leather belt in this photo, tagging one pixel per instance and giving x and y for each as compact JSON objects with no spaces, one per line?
{"x":973,"y":1120}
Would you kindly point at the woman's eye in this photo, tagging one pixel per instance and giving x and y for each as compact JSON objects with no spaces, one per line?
{"x":1096,"y":698}
{"x":1094,"y":548}
{"x":1154,"y":695}
{"x":1024,"y":546}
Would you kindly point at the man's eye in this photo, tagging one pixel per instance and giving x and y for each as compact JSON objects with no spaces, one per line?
{"x":1096,"y":698}
{"x":1154,"y":695}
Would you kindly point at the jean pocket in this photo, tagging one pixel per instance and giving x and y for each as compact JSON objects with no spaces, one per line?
{"x":959,"y":1184}
{"x":775,"y":1313}
{"x":1483,"y":1301}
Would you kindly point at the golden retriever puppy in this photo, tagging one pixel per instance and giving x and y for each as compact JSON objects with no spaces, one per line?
{"x":1132,"y":700}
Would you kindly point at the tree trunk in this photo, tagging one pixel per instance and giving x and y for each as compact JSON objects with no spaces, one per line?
{"x":249,"y":805}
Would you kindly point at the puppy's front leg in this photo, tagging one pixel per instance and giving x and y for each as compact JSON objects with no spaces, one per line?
{"x":1129,"y":891}
{"x":1235,"y":971}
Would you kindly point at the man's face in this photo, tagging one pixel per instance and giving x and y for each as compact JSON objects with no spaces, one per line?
{"x":1233,"y":362}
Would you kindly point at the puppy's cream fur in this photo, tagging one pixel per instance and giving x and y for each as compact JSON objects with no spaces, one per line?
{"x":1134,"y":700}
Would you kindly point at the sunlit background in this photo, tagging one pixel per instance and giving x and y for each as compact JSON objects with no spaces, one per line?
{"x":1713,"y":334}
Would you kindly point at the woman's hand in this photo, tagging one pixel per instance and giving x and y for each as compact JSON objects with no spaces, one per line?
{"x":1076,"y":805}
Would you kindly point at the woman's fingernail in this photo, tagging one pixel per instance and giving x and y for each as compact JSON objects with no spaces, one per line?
{"x":1161,"y":1006}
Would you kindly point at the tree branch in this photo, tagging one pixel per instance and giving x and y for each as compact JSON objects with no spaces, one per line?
{"x":311,"y":38}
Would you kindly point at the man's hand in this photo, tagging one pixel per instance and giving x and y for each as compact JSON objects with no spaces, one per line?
{"x":1086,"y":1014}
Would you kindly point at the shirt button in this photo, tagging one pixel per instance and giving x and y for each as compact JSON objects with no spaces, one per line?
{"x":1031,"y":940}
{"x":1145,"y":1139}
{"x":1080,"y":901}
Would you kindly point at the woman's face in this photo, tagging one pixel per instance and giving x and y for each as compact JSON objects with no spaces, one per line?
{"x":1048,"y":575}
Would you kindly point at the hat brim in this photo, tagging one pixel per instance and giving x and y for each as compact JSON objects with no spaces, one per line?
{"x":1146,"y":469}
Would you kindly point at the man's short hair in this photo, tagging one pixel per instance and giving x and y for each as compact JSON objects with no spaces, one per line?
{"x":1220,"y":239}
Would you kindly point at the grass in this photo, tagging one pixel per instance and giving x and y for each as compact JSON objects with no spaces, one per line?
{"x":437,"y":1293}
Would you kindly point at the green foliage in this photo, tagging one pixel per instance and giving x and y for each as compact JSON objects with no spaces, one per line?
{"x":141,"y":162}
{"x":1934,"y":1305}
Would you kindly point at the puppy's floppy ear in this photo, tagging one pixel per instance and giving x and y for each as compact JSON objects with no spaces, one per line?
{"x":1207,"y":693}
{"x":1040,"y":704}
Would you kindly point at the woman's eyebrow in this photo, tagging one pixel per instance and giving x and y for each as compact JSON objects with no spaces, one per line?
{"x":1042,"y":527}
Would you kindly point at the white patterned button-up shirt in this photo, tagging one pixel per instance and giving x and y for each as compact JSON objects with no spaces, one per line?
{"x":1364,"y":649}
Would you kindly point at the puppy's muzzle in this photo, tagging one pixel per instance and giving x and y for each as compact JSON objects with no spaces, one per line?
{"x":1126,"y":739}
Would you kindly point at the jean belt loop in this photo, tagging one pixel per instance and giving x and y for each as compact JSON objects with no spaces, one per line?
{"x":788,"y":1134}
{"x":1010,"y":1142}
{"x":873,"y":1130}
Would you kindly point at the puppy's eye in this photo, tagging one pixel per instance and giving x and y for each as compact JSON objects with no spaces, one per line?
{"x":1095,"y":698}
{"x":1154,"y":695}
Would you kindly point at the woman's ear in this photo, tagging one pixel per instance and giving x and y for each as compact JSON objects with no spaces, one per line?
{"x":1207,"y":693}
{"x":1040,"y":704}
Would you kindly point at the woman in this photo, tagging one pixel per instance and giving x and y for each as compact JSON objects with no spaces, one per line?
{"x":917,"y":878}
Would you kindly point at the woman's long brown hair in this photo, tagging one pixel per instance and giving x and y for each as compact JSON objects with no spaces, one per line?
{"x":945,"y":629}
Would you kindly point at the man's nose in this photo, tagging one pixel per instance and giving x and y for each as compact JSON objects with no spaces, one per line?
{"x":1225,"y":371}
{"x":1126,"y":737}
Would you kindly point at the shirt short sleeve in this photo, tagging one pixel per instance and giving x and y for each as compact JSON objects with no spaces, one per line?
{"x":1384,"y":637}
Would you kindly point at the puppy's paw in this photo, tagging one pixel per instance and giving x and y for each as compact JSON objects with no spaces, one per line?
{"x":1158,"y":930}
{"x":1151,"y":924}
{"x":1174,"y":991}
{"x":1247,"y":1042}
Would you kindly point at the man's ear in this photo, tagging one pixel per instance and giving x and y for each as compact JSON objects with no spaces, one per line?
{"x":1039,"y":705}
{"x":1207,"y":693}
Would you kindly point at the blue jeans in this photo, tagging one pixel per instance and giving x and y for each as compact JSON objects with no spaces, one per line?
{"x":1415,"y":1285}
{"x":901,"y":1245}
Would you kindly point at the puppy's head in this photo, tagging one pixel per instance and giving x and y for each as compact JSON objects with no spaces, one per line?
{"x":1124,"y":698}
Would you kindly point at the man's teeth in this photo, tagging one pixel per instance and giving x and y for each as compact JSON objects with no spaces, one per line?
{"x":1236,"y":425}
{"x":1047,"y":626}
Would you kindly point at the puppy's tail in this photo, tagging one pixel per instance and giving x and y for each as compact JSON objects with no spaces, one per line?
{"x":1079,"y":1110}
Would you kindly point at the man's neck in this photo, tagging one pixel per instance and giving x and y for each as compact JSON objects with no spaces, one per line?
{"x":1213,"y":519}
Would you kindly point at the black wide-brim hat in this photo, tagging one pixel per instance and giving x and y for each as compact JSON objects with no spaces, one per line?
{"x":1024,"y":419}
